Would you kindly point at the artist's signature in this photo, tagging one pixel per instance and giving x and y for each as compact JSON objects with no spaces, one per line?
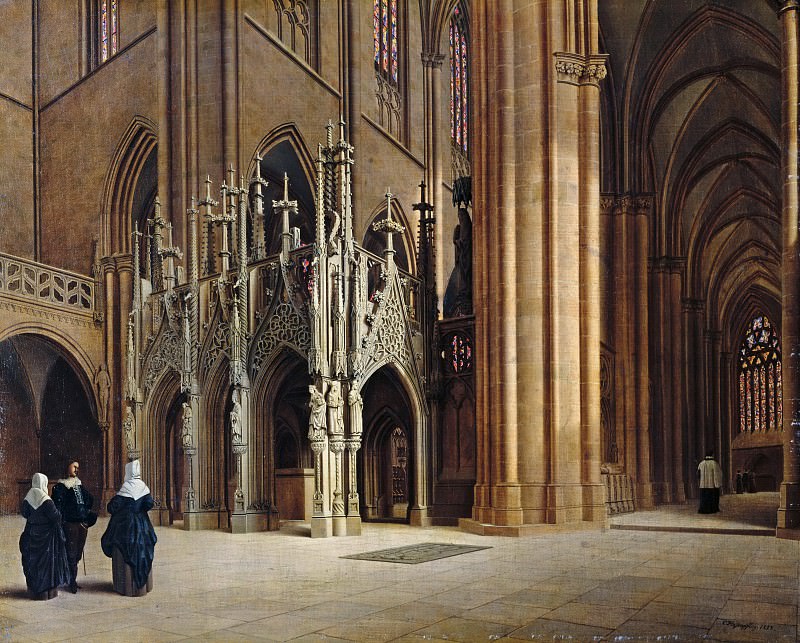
{"x":751,"y":627}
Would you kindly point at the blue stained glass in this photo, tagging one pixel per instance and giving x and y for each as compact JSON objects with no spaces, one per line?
{"x":394,"y":40}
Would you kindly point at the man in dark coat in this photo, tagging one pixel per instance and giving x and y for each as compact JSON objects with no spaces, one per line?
{"x":44,"y":556}
{"x":75,"y":504}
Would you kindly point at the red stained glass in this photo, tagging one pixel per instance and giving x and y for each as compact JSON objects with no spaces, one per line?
{"x":760,"y":381}
{"x":104,"y":31}
{"x":385,"y":38}
{"x":460,"y":354}
{"x":459,"y":80}
{"x":741,"y":403}
{"x":772,"y":422}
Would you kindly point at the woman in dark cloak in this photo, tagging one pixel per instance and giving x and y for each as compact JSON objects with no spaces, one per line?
{"x":129,"y":539}
{"x":42,"y":543}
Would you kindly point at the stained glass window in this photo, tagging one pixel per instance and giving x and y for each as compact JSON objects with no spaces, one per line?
{"x":760,"y":380}
{"x":459,"y":77}
{"x":109,"y":29}
{"x":458,"y":354}
{"x":385,"y":35}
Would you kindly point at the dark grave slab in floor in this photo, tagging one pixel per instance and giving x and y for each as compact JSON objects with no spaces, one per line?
{"x":414,"y":554}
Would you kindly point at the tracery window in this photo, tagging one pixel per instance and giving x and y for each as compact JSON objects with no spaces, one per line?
{"x":384,"y":22}
{"x":297,"y":20}
{"x":459,"y":79}
{"x":109,"y":28}
{"x":458,"y":354}
{"x":399,"y":456}
{"x":760,"y":378}
{"x":386,"y":32}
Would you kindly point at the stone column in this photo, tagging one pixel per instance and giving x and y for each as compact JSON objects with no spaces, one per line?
{"x":714,"y":432}
{"x":677,"y":375}
{"x":536,"y":166}
{"x":726,"y":399}
{"x":644,"y":479}
{"x":693,"y":386}
{"x":789,"y":510}
{"x":664,"y":414}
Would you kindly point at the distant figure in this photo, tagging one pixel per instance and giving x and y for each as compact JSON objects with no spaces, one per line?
{"x":710,"y":475}
{"x":751,"y":482}
{"x":74,"y":502}
{"x":129,"y":539}
{"x":739,"y":481}
{"x":42,"y":543}
{"x":745,"y":481}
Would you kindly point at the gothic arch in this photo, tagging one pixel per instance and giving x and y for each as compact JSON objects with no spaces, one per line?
{"x":67,"y":347}
{"x":281,"y":151}
{"x":375,"y":242}
{"x":216,"y":482}
{"x":279,"y":403}
{"x":159,"y":416}
{"x":402,"y":405}
{"x":136,"y":146}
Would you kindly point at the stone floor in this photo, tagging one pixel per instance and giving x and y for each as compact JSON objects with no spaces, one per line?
{"x":593,"y":585}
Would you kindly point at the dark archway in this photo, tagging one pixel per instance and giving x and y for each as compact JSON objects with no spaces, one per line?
{"x":386,"y":472}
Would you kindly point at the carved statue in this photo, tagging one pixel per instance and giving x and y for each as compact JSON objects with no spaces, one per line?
{"x":130,"y":362}
{"x":186,"y":426}
{"x":458,"y":295}
{"x":356,"y":405}
{"x":128,"y":428}
{"x":316,"y":422}
{"x":236,"y":419}
{"x":103,"y":383}
{"x":336,"y":406}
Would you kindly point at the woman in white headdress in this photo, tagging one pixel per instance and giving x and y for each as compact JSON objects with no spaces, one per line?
{"x":42,"y":543}
{"x":129,"y":539}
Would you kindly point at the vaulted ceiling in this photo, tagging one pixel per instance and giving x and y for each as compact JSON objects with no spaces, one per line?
{"x":692,"y":115}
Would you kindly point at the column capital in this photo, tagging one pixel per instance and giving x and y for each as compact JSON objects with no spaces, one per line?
{"x":607,"y":203}
{"x":432,"y":59}
{"x":690,"y":304}
{"x":786,"y":5}
{"x":576,"y":69}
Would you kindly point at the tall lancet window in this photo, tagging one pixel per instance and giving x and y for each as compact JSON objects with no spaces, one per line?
{"x":386,"y":46}
{"x":384,"y":22}
{"x":109,"y":29}
{"x":760,"y":378}
{"x":459,"y":80}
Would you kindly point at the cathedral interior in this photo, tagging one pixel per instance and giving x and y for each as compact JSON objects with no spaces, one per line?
{"x":430,"y":263}
{"x":491,"y":266}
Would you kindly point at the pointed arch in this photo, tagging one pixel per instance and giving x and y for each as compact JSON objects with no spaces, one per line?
{"x":283,"y":150}
{"x":375,"y":242}
{"x":137,"y":145}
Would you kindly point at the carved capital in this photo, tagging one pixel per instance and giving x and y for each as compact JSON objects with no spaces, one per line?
{"x":580,"y":70}
{"x":691,"y":305}
{"x":607,"y":203}
{"x":643,"y":204}
{"x":787,"y":5}
{"x":432,"y":59}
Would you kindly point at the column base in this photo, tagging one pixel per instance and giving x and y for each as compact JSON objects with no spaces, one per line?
{"x":522,"y":531}
{"x":353,"y":525}
{"x":195,"y":520}
{"x":789,"y":509}
{"x":321,"y":527}
{"x":418,"y":517}
{"x":644,"y":496}
{"x":339,"y":525}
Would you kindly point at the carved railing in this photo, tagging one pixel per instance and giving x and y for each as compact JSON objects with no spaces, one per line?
{"x":45,"y":284}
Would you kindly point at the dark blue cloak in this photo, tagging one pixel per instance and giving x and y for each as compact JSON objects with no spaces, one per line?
{"x":131,"y":532}
{"x":43,"y":549}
